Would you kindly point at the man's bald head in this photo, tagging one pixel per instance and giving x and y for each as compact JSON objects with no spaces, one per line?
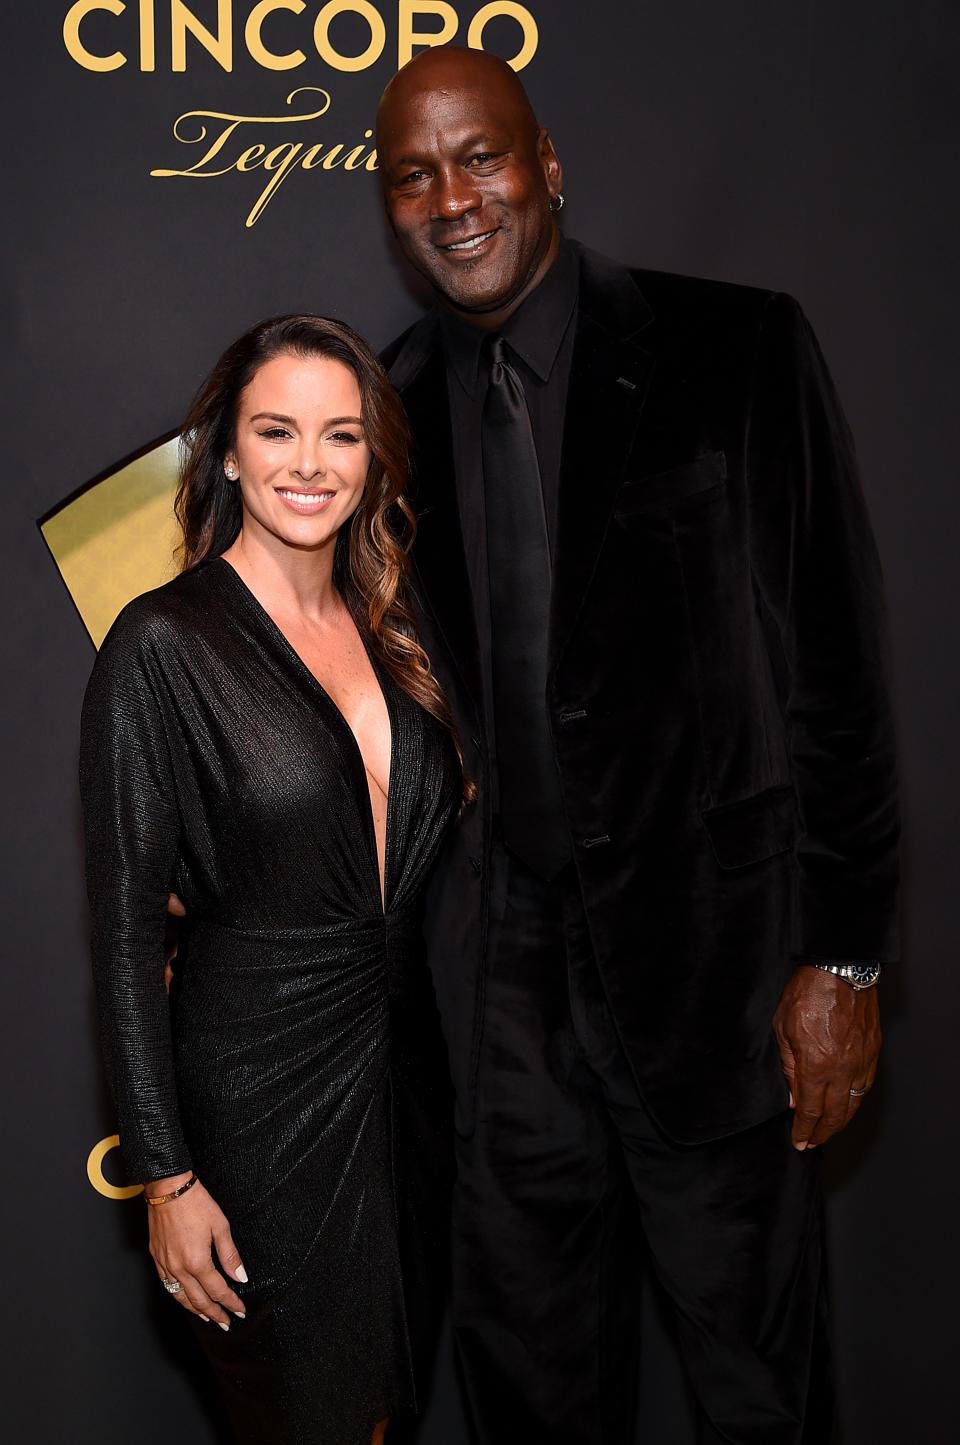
{"x":468,"y":179}
{"x":449,"y":68}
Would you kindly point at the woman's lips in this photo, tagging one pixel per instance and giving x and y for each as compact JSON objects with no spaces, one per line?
{"x":304,"y":503}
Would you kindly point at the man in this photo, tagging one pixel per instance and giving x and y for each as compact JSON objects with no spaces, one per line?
{"x":648,"y":585}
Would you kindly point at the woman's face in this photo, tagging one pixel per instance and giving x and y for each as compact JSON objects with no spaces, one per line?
{"x":299,"y":451}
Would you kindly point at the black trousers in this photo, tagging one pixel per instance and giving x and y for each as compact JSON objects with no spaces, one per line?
{"x":566,"y":1178}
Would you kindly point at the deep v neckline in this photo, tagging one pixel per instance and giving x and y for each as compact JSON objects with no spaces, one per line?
{"x":281,"y":637}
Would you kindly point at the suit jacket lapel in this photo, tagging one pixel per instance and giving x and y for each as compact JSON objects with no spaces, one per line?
{"x":609,"y":377}
{"x":440,"y":566}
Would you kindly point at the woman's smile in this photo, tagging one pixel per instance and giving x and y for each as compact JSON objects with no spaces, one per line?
{"x":305,"y":503}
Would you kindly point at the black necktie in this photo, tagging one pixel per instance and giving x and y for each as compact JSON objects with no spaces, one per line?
{"x":518,"y":560}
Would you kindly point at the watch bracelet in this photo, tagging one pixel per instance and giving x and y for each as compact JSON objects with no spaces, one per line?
{"x":845,"y":970}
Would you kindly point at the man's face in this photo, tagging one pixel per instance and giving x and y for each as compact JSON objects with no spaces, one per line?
{"x":468,"y":179}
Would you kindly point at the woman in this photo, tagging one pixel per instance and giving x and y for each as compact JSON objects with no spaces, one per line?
{"x":264,"y":737}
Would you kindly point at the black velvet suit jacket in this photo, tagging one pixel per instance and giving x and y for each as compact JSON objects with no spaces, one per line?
{"x":716,"y":689}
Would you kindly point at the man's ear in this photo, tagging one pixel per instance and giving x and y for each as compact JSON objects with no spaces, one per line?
{"x":550,"y":161}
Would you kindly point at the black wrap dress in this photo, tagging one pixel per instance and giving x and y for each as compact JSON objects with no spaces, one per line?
{"x":297,"y":1065}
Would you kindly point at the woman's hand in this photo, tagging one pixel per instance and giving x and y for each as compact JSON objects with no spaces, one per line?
{"x":184,"y":1233}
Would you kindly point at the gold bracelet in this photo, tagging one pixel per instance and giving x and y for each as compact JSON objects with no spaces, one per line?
{"x":165,"y":1198}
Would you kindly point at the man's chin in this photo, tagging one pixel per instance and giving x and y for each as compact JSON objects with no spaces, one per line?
{"x":481,"y":295}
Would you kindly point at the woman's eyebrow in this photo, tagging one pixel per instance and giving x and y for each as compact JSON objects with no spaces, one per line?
{"x":290,"y":421}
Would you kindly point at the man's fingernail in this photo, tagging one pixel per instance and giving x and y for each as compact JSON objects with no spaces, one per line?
{"x":241,"y":1274}
{"x":224,"y":1325}
{"x":792,"y":1101}
{"x":801,"y":1145}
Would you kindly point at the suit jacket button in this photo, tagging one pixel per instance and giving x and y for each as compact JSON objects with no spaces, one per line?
{"x":476,"y":865}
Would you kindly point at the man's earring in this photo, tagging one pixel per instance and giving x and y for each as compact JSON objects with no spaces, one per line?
{"x":556,"y":202}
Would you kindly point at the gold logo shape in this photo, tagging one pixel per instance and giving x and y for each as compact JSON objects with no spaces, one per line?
{"x":116,"y":538}
{"x":95,"y":1160}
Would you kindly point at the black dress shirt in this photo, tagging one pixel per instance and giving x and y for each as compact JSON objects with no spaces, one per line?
{"x":540,"y":334}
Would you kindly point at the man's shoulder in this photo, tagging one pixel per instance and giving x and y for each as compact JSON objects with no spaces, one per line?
{"x":393,"y":348}
{"x":404,"y":357}
{"x":607,"y":284}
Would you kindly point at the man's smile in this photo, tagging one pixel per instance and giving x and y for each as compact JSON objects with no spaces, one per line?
{"x":471,"y":244}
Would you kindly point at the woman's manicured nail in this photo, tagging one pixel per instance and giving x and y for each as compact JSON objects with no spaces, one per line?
{"x":239,"y":1314}
{"x":206,"y":1319}
{"x":223,"y":1324}
{"x":241,"y":1274}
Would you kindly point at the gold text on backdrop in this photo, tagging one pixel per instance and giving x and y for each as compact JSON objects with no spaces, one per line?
{"x":219,"y":43}
{"x":279,"y":161}
{"x":276,"y":35}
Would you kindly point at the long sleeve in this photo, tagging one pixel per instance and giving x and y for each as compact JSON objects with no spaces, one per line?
{"x":818,"y":581}
{"x":132,"y":829}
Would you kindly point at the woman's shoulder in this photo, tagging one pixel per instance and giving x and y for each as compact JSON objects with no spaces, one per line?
{"x":165,"y":619}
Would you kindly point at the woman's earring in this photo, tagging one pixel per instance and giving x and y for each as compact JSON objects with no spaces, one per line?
{"x":230,"y":474}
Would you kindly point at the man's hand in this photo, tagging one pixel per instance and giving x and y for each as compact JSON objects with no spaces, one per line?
{"x":829,"y":1037}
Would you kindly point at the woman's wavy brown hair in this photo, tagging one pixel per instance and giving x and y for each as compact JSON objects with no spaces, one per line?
{"x":372,"y":554}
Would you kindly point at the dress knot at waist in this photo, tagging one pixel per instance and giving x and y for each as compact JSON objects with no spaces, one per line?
{"x":329,"y":946}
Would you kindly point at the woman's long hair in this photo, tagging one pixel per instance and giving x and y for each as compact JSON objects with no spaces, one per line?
{"x":372,"y":555}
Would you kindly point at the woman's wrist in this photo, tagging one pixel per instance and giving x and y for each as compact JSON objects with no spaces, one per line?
{"x":171,"y":1195}
{"x":167,"y":1185}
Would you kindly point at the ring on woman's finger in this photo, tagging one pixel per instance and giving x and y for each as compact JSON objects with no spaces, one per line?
{"x":172,"y":1286}
{"x":858,"y":1093}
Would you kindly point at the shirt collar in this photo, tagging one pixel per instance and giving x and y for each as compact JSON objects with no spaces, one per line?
{"x":535,"y":331}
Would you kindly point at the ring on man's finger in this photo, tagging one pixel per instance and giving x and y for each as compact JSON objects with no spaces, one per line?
{"x":857,"y":1093}
{"x":172,"y":1286}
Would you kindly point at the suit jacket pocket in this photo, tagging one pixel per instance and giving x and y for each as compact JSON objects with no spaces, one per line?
{"x":660,"y":490}
{"x":754,"y":828}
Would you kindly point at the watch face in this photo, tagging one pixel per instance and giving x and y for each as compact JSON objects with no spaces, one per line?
{"x":863,"y":975}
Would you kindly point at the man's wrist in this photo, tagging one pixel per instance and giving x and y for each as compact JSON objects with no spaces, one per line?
{"x":861,"y":974}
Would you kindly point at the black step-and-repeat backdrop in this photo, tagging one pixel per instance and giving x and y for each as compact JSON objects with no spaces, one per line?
{"x":174,"y":171}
